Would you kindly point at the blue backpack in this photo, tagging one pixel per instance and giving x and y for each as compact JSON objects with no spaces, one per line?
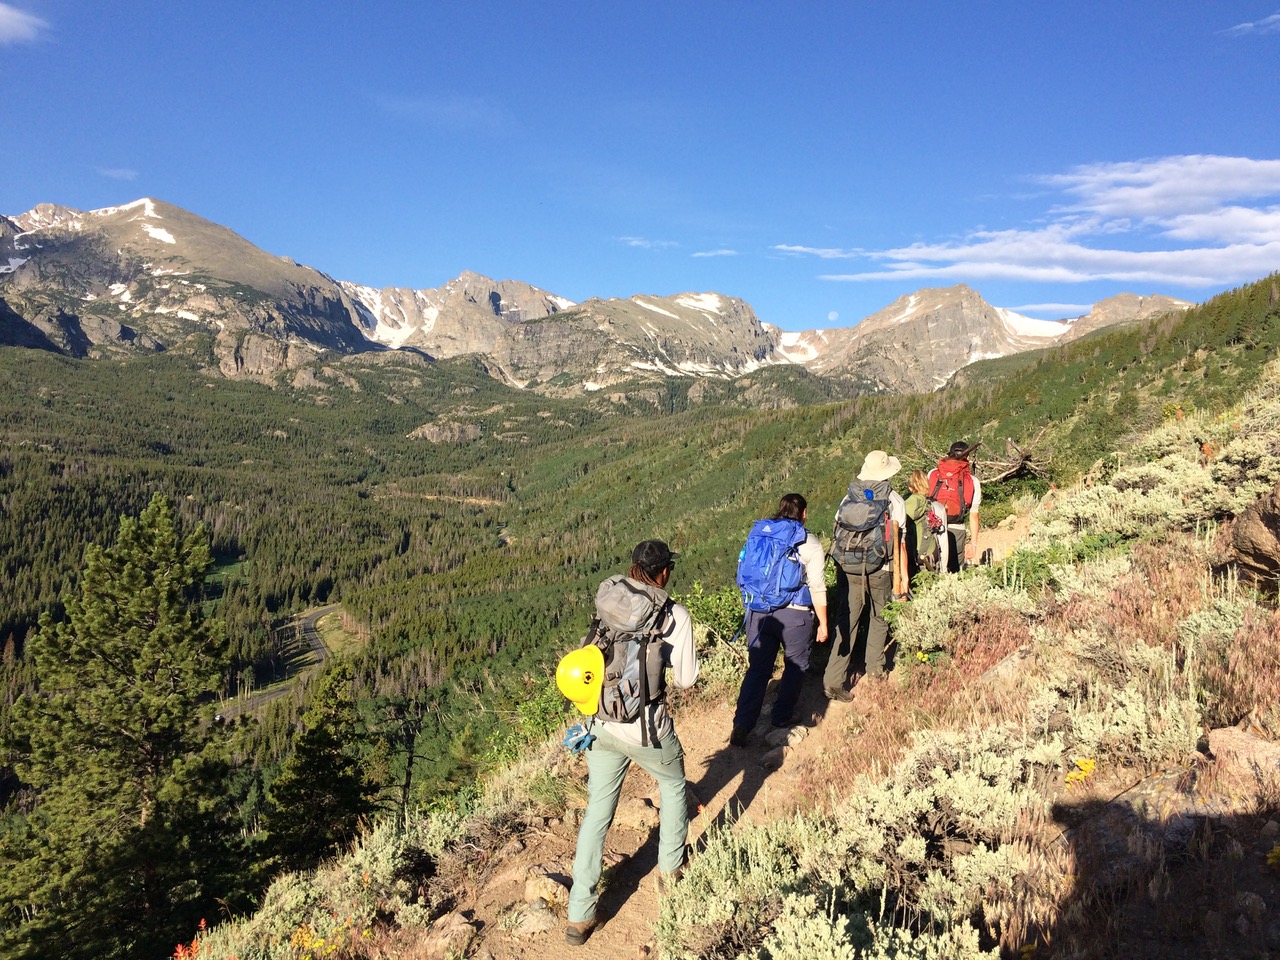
{"x":770,"y":574}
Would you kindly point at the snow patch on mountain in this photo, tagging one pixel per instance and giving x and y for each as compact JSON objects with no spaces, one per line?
{"x":913,"y":304}
{"x":385,"y":322}
{"x":146,"y":203}
{"x":1022,"y":326}
{"x":14,"y":264}
{"x":799,"y":347}
{"x":702,"y":302}
{"x":159,"y":233}
{"x":654,"y":307}
{"x":184,"y":314}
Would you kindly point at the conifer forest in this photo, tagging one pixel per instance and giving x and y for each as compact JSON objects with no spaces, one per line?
{"x":162,"y":530}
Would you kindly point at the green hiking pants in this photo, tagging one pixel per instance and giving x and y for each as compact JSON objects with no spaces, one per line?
{"x":608,"y":760}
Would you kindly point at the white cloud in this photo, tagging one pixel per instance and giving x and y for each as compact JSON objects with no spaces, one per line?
{"x":1192,"y":221}
{"x":826,"y":253}
{"x":715,"y":253}
{"x":1269,"y":24}
{"x":1229,"y":223}
{"x":646,"y":244}
{"x":17,"y":26}
{"x":118,"y":173}
{"x":1167,"y":185}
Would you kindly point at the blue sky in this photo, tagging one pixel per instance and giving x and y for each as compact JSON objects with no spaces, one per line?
{"x":817,"y":160}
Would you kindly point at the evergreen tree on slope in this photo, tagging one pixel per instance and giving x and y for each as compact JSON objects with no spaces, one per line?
{"x":130,"y":841}
{"x":323,"y":794}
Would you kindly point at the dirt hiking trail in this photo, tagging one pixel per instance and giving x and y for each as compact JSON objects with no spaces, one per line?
{"x":755,"y":783}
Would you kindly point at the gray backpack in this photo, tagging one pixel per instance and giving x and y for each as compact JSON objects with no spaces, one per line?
{"x":860,"y":542}
{"x":627,"y":628}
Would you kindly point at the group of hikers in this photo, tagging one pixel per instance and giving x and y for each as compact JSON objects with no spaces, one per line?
{"x":880,"y":541}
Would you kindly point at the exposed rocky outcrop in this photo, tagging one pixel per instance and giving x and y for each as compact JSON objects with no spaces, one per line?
{"x":446,"y":432}
{"x":1255,"y":538}
{"x":148,"y":276}
{"x":1124,"y":308}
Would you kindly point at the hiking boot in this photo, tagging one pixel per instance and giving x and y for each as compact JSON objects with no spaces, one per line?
{"x":844,"y":696}
{"x":738,"y":738}
{"x":576,"y":934}
{"x":666,"y":881}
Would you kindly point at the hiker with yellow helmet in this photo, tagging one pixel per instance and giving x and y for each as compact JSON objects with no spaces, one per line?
{"x":649,"y":740}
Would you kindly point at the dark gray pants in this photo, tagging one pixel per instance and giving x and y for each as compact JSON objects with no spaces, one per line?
{"x":862,"y":590}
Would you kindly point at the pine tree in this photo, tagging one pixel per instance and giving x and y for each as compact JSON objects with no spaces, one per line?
{"x":322,"y":795}
{"x":125,"y":846}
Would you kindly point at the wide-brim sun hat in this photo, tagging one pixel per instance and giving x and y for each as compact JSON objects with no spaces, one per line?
{"x":878,"y":466}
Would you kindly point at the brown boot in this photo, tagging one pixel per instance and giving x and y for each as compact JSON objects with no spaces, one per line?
{"x":666,"y":881}
{"x":576,"y":934}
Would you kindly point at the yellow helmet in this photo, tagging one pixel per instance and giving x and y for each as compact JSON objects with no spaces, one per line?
{"x":580,"y":676}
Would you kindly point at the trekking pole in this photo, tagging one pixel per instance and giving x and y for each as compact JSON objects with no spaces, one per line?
{"x":730,"y":646}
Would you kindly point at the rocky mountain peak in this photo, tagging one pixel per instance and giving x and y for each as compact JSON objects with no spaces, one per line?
{"x":148,"y":275}
{"x":44,"y":215}
{"x":1123,"y":308}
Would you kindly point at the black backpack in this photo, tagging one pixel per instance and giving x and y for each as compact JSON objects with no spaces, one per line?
{"x":628,"y":625}
{"x":860,"y":542}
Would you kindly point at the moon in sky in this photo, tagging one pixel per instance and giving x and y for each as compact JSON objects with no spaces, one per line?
{"x":833,"y":316}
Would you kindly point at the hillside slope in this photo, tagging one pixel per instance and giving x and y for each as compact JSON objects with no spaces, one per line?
{"x":1079,"y":711}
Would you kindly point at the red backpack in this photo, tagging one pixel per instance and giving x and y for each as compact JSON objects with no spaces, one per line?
{"x":953,"y":487}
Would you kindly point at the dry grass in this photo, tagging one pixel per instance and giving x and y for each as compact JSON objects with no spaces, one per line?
{"x":944,"y":695}
{"x":1242,"y":675}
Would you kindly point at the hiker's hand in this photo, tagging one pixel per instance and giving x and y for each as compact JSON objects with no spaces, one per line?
{"x":970,"y":548}
{"x":821,"y":636}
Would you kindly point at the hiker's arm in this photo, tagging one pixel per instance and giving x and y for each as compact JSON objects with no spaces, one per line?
{"x":684,"y":655}
{"x":971,"y":544}
{"x":898,"y":555}
{"x":814,"y":561}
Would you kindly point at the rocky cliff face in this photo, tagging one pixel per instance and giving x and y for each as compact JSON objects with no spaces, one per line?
{"x":531,"y":338}
{"x":1124,"y":308}
{"x":465,"y":315}
{"x":149,"y":276}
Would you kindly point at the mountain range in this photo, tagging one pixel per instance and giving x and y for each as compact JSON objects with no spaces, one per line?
{"x":149,"y":276}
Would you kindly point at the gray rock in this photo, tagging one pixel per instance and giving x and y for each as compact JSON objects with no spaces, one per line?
{"x":786,"y":736}
{"x":774,"y":759}
{"x":636,"y":812}
{"x":542,"y":886}
{"x":536,"y":917}
{"x":450,"y":936}
{"x":1250,"y":904}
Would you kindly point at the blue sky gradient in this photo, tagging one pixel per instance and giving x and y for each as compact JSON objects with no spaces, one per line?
{"x":817,"y":160}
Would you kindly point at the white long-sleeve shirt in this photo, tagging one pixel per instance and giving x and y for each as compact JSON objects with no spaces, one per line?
{"x":814,"y":560}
